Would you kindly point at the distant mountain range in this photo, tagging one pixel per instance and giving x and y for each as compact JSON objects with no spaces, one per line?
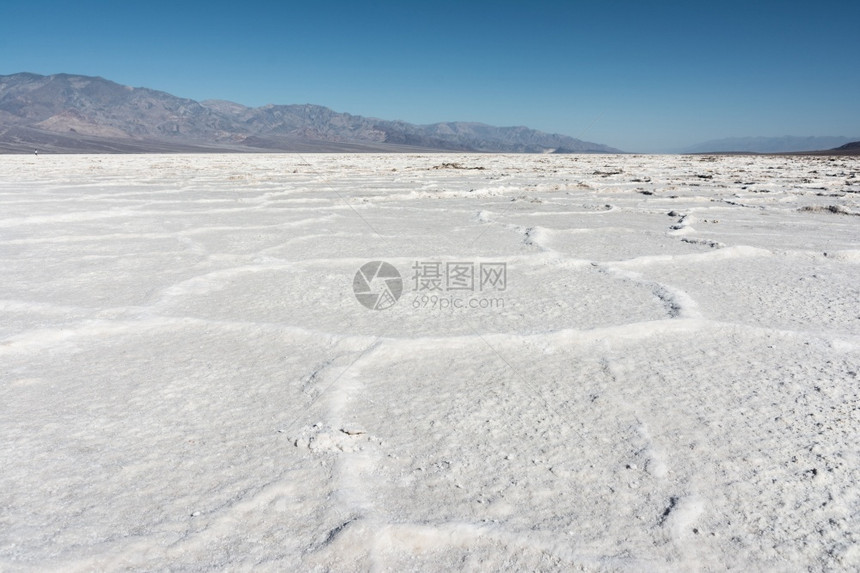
{"x":786,"y":144}
{"x":65,"y":113}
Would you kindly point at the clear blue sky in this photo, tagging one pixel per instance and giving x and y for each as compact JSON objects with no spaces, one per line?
{"x":637,"y":75}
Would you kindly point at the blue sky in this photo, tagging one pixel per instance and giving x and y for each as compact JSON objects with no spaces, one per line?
{"x":637,"y":75}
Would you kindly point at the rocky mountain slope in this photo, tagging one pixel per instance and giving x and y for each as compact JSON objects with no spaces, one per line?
{"x":70,"y":113}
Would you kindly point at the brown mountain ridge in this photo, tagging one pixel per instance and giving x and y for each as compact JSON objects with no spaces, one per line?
{"x":66,"y":113}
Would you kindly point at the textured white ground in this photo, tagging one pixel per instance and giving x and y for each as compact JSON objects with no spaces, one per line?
{"x":188,"y":382}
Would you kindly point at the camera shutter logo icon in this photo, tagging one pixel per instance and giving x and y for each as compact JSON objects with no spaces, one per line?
{"x":377,"y":285}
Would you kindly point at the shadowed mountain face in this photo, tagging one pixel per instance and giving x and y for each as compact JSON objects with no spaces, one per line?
{"x":853,"y":146}
{"x":80,"y":114}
